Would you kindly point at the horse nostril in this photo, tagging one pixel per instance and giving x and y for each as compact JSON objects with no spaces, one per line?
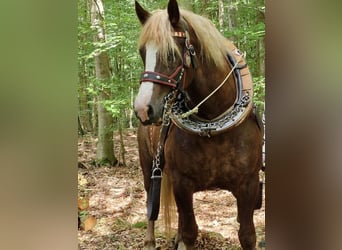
{"x":150,"y":111}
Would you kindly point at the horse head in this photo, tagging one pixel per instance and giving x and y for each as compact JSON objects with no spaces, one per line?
{"x":162,"y":49}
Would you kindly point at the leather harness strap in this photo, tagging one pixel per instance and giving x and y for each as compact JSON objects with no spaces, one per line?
{"x":172,"y":80}
{"x":153,"y":195}
{"x":246,"y":78}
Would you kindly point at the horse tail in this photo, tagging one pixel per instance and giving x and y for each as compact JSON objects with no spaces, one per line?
{"x":168,"y":204}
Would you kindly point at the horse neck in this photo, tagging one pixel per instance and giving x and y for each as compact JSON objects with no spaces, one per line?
{"x":205,"y":80}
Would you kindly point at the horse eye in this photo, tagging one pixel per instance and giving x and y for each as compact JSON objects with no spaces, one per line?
{"x":171,"y":57}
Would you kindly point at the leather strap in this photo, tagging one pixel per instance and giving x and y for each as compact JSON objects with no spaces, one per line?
{"x":153,"y":196}
{"x":172,"y":80}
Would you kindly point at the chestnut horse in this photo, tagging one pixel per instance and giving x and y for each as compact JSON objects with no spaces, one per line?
{"x":194,"y":137}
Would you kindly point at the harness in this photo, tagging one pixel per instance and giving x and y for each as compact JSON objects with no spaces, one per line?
{"x":187,"y":119}
{"x":176,"y":110}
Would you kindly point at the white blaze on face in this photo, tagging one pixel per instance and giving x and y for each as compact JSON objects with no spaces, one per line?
{"x":146,"y":88}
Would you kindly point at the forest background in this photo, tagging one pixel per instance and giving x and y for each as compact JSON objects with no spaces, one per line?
{"x":109,"y":64}
{"x":38,"y":148}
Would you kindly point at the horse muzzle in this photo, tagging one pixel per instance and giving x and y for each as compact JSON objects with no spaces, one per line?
{"x":147,"y":115}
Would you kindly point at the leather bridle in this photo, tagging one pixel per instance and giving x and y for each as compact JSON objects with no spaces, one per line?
{"x":177,"y":76}
{"x":172,"y":81}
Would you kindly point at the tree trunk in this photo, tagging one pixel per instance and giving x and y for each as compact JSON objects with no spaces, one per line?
{"x":94,"y":116}
{"x":221,"y":15}
{"x":131,"y":112}
{"x":83,"y":106}
{"x":261,"y":42}
{"x":105,"y":145}
{"x":80,"y":129}
{"x":261,"y":57}
{"x":122,"y":145}
{"x":83,"y":96}
{"x":231,"y":15}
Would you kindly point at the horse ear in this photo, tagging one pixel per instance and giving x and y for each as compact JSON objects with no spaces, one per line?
{"x":142,"y":14}
{"x":173,"y":10}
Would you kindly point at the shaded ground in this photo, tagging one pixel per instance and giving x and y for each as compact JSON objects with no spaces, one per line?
{"x":117,"y":200}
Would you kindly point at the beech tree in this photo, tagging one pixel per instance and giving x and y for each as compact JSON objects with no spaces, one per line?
{"x":105,"y":146}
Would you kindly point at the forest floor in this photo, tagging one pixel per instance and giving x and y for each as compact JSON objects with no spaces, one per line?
{"x":117,"y":200}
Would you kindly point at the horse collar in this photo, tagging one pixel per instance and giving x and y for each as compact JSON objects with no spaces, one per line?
{"x":232,"y":117}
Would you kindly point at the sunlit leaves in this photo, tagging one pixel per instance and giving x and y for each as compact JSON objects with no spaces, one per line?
{"x":259,"y":91}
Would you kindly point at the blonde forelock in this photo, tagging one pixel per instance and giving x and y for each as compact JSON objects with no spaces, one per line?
{"x":159,"y":31}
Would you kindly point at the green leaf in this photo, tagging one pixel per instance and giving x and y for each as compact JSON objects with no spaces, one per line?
{"x":140,"y":224}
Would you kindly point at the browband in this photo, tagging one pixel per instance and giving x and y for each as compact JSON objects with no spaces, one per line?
{"x":179,"y":34}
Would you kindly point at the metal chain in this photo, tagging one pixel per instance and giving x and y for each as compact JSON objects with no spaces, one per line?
{"x":156,"y":170}
{"x":179,"y":108}
{"x":168,"y":99}
{"x":156,"y":163}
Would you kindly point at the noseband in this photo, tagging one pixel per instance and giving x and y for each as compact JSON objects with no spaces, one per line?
{"x":172,"y":81}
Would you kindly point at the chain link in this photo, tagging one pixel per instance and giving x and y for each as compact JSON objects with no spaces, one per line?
{"x":191,"y":123}
{"x":168,"y":99}
{"x":156,"y":163}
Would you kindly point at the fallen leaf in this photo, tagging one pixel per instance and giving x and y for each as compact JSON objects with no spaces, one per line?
{"x":83,"y":203}
{"x":89,"y":223}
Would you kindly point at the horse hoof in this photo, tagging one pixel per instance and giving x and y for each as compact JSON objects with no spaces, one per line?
{"x":181,"y":246}
{"x":151,"y":246}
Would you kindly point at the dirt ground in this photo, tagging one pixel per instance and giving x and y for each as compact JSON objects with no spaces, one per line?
{"x":117,"y":200}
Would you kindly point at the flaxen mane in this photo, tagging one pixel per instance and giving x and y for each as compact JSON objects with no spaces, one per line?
{"x":158,"y":30}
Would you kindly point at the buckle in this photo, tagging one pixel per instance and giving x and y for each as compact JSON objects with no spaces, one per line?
{"x":156,"y":173}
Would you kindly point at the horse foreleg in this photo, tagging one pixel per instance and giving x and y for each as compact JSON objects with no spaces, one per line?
{"x":180,"y":245}
{"x":187,"y":227}
{"x":179,"y":241}
{"x":246,"y":200}
{"x":150,"y":241}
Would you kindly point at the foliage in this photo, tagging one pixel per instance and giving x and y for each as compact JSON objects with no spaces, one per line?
{"x":122,"y":30}
{"x":259,"y":92}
